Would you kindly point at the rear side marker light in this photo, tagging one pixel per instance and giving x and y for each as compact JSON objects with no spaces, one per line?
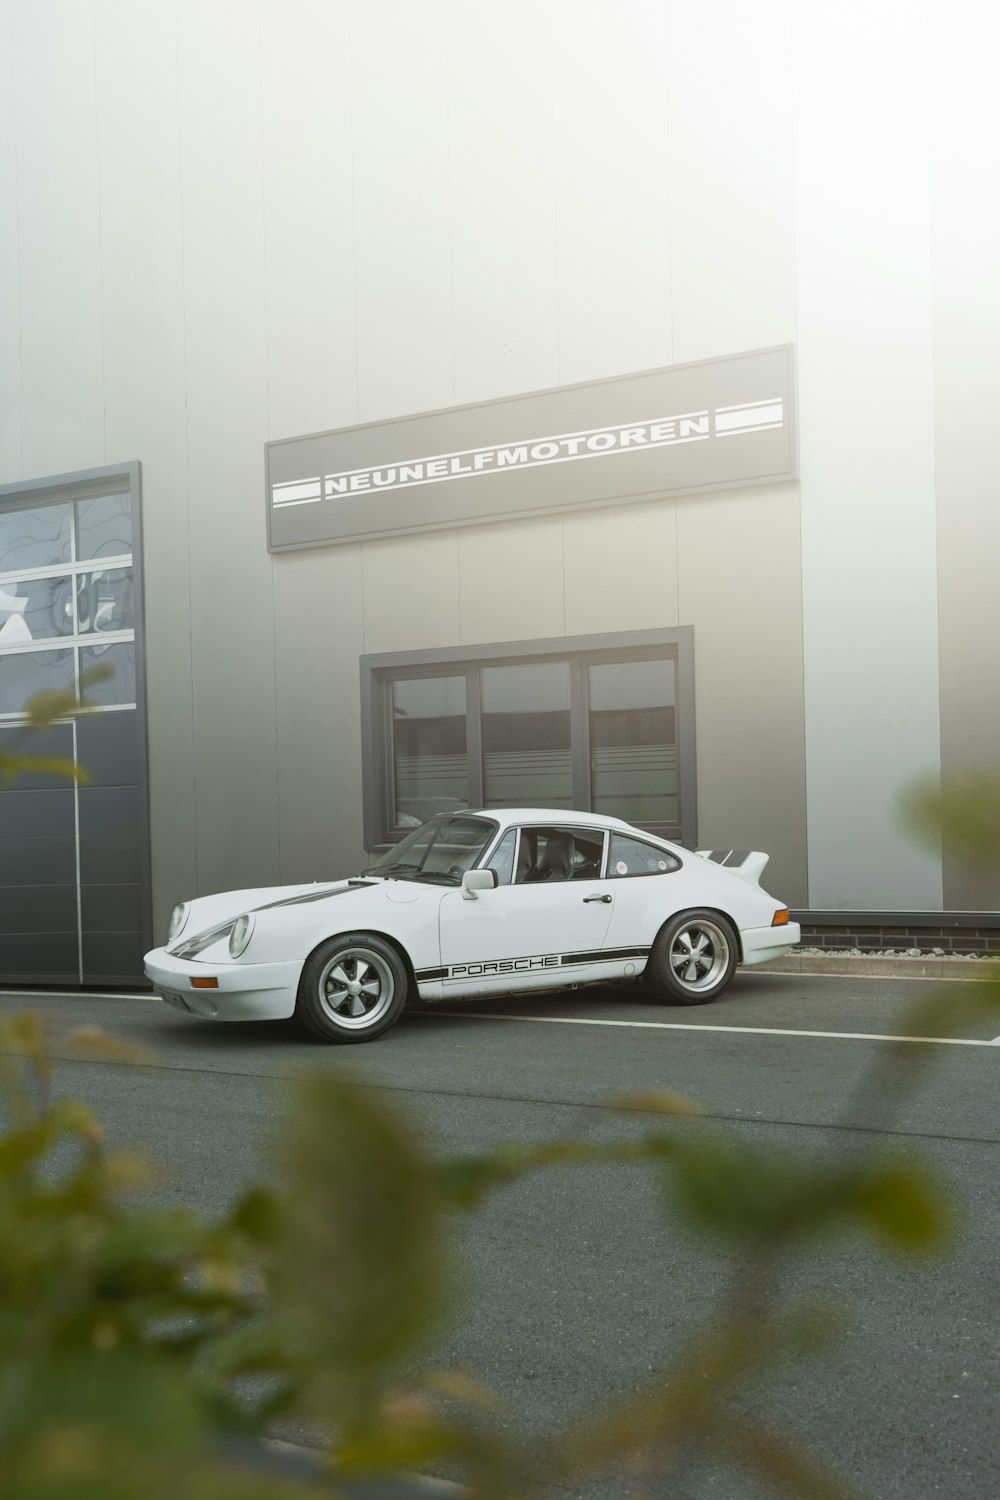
{"x":204,"y":984}
{"x":780,"y":919}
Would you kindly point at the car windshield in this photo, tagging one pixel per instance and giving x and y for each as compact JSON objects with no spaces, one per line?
{"x":439,"y":851}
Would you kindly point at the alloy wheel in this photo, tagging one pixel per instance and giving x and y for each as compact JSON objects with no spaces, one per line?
{"x":356,"y":988}
{"x":699,"y":954}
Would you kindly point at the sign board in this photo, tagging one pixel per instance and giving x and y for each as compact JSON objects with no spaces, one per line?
{"x":717,"y":424}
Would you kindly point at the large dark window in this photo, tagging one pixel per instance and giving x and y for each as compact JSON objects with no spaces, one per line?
{"x":74,"y":866}
{"x":527,"y":748}
{"x":601,"y":725}
{"x":430,"y":758}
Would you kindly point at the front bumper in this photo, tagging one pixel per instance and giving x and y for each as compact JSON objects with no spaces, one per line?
{"x":246,"y":992}
{"x":761,"y":944}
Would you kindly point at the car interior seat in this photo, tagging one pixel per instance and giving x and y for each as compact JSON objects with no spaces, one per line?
{"x":556,"y":861}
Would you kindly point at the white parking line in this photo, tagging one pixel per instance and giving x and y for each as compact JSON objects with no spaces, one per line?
{"x":839,"y":1036}
{"x":30,"y":995}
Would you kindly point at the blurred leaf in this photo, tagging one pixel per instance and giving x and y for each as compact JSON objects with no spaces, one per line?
{"x":93,"y":1042}
{"x":462,"y":1386}
{"x":126,"y":1171}
{"x":45,"y":708}
{"x":25,"y":1033}
{"x":955,"y":1007}
{"x":964,"y":811}
{"x":258,"y":1216}
{"x":362,"y":1265}
{"x":21,"y":1148}
{"x":905,"y":1206}
{"x":42,"y":765}
{"x":784,"y":1465}
{"x":728,"y":1187}
{"x":652,"y":1419}
{"x":657,"y":1102}
{"x":99,"y":672}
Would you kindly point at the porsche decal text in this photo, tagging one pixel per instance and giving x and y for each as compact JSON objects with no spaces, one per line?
{"x":495,"y":967}
{"x":503,"y":966}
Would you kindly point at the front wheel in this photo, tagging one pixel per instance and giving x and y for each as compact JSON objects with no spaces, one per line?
{"x":352,"y":988}
{"x":693,"y":959}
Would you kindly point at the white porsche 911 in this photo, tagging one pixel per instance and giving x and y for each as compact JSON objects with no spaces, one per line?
{"x":475,"y":903}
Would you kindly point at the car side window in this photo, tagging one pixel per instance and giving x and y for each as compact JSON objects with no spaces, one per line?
{"x":559,"y":854}
{"x":503,"y":857}
{"x":628,"y":857}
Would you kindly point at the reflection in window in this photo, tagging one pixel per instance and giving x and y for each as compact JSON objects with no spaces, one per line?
{"x":629,"y":857}
{"x":430,"y":753}
{"x":24,"y":673}
{"x":104,"y":601}
{"x":503,"y":857}
{"x":437,"y":847}
{"x":104,"y":526}
{"x":119,"y":688}
{"x":633,"y":741}
{"x":527,"y":761}
{"x":32,"y":609}
{"x":37,"y":538}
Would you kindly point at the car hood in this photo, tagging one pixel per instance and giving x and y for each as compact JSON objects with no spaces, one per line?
{"x":211,"y":911}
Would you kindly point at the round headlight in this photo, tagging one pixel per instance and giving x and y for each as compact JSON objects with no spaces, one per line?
{"x":240,"y":935}
{"x":178,"y":917}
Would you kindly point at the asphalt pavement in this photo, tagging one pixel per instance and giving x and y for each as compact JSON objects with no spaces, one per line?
{"x":575,"y":1288}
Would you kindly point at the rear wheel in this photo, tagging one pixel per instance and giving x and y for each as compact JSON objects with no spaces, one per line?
{"x":352,"y":988}
{"x":693,"y":959}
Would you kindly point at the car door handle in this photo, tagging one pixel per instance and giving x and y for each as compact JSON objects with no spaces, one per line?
{"x":605,"y":899}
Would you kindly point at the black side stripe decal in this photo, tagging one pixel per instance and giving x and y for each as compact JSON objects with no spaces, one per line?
{"x":479,"y":968}
{"x":603,"y":955}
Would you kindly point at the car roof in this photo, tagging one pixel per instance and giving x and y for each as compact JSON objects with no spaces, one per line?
{"x":562,"y":816}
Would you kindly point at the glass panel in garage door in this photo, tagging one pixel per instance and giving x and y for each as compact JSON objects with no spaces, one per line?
{"x":430,"y":753}
{"x":527,"y":760}
{"x":633,"y":741}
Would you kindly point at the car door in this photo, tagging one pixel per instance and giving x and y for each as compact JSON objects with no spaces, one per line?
{"x":543,"y":925}
{"x":648,"y":883}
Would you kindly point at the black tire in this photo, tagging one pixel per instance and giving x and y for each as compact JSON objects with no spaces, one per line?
{"x":693,"y":959}
{"x":359,"y":1002}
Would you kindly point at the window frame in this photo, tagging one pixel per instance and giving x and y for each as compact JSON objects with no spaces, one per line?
{"x":571,"y":828}
{"x":378,"y":672}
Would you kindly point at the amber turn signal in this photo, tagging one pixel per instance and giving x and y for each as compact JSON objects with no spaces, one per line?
{"x":780,"y":917}
{"x":204,"y":984}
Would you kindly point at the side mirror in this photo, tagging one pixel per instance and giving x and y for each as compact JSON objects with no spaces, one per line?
{"x":478,"y":880}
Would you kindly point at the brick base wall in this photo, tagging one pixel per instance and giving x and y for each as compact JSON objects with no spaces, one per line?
{"x":951,"y":939}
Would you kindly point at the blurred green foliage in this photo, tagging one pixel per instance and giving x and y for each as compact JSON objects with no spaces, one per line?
{"x":963,"y":811}
{"x":145,"y":1349}
{"x":139,"y":1343}
{"x":40,"y":713}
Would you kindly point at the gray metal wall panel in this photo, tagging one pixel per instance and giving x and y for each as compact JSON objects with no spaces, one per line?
{"x":319,"y":639}
{"x":966,"y":230}
{"x":231,"y":620}
{"x":746,"y":612}
{"x":38,"y":861}
{"x":35,"y":909}
{"x":49,"y":958}
{"x":36,"y":815}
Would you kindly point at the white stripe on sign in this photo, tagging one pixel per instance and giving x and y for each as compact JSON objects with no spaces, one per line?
{"x":839,"y":1036}
{"x":745,"y":419}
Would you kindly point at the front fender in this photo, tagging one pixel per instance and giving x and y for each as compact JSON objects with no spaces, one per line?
{"x":409,"y":922}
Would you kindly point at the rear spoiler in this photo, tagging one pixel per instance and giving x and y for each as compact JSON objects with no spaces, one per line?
{"x":748,"y":864}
